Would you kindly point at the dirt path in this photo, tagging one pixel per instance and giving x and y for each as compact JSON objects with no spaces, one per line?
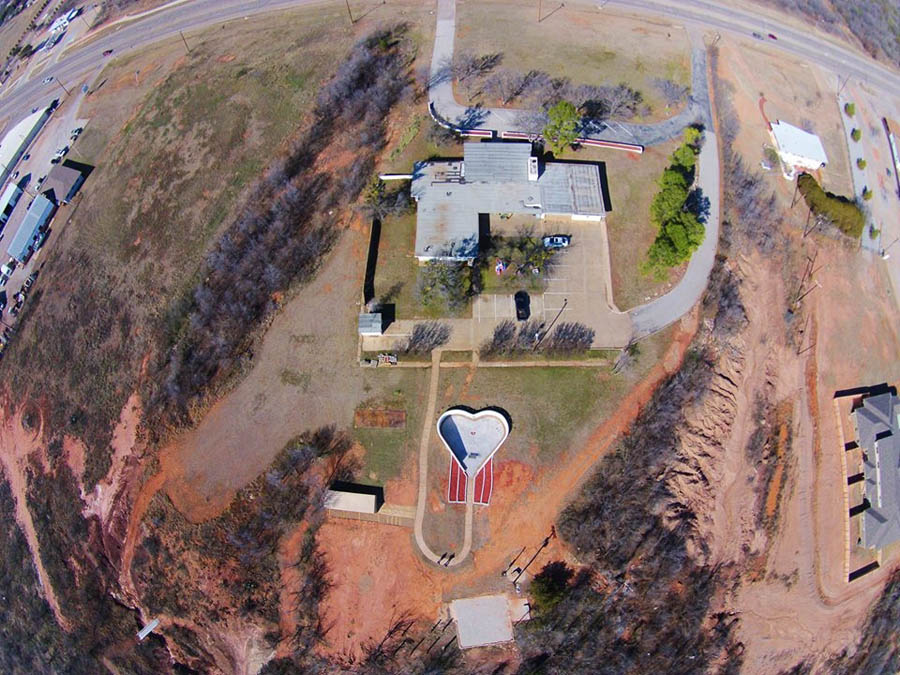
{"x":16,"y":444}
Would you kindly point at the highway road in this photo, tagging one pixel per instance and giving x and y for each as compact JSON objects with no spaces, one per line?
{"x":79,"y":64}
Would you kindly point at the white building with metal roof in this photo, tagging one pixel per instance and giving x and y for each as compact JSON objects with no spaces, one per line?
{"x":39,"y":213}
{"x":495,"y":178}
{"x":17,"y":140}
{"x":798,"y":148}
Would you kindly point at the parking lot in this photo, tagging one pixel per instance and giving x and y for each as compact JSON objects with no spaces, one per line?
{"x":36,"y":164}
{"x":578,"y":287}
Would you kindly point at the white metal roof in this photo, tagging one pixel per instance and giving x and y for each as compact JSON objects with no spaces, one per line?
{"x":795,"y":141}
{"x":350,"y":501}
{"x":10,"y":195}
{"x":17,"y":136}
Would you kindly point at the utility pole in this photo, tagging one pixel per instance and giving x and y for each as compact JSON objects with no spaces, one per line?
{"x":539,"y":11}
{"x":55,"y":79}
{"x":185,"y":42}
{"x":349,"y":13}
{"x":558,"y":314}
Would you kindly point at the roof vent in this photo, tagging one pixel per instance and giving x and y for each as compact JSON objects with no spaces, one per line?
{"x":532,"y":168}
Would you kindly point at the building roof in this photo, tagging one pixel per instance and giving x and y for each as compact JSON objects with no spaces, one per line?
{"x":878,"y":428}
{"x":35,"y":218}
{"x":494,"y":178}
{"x":370,"y":323}
{"x":795,"y":141}
{"x":18,"y":136}
{"x":61,"y":184}
{"x":496,"y":162}
{"x":482,"y":621}
{"x":10,"y":194}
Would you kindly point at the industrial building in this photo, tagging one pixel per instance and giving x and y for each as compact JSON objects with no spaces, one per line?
{"x":495,"y":178}
{"x":36,"y":216}
{"x":797,"y":148}
{"x":8,"y":202}
{"x":878,"y":432}
{"x":17,"y":140}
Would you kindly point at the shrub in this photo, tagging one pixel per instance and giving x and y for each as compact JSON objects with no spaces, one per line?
{"x":549,"y":586}
{"x":675,"y":210}
{"x":561,"y":131}
{"x":861,"y":163}
{"x":856,"y":134}
{"x":845,"y":215}
{"x":866,"y":193}
{"x":850,"y":109}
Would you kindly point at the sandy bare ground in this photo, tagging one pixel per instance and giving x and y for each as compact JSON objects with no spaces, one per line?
{"x":244,"y":431}
{"x":16,"y":445}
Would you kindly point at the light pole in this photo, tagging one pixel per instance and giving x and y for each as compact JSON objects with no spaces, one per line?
{"x":547,"y":332}
{"x":56,"y":79}
{"x":884,"y":252}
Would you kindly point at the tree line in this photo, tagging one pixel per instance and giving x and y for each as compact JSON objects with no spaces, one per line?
{"x":284,"y":229}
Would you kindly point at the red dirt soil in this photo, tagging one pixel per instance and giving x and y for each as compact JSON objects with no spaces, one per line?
{"x":376,"y":567}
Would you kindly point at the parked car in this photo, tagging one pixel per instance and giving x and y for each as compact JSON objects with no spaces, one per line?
{"x":523,"y":305}
{"x":76,"y":133}
{"x":758,"y":36}
{"x":557,"y":241}
{"x":772,"y":36}
{"x":26,"y":156}
{"x":29,"y":282}
{"x":47,"y":80}
{"x":7,"y":269}
{"x":39,"y":239}
{"x":107,"y":52}
{"x":3,"y":301}
{"x":40,"y":181}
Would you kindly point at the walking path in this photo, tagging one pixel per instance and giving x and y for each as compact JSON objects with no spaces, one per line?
{"x":424,"y":445}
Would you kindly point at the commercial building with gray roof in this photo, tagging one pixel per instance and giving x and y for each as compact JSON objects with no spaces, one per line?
{"x":498,"y":178}
{"x":878,"y":433}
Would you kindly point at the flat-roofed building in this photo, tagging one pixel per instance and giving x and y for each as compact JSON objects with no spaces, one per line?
{"x":495,"y":178}
{"x":36,"y":217}
{"x":17,"y":140}
{"x":354,"y":497}
{"x":8,"y":202}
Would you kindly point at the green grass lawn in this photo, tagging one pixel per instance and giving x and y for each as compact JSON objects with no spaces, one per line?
{"x":632,"y":186}
{"x":548,"y":406}
{"x":387,"y":450}
{"x":578,"y":42}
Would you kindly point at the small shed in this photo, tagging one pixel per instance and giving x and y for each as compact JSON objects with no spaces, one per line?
{"x":370,"y":323}
{"x":353,"y":497}
{"x":797,"y":147}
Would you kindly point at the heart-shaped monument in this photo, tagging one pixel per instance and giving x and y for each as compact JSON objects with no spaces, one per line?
{"x":472,"y":438}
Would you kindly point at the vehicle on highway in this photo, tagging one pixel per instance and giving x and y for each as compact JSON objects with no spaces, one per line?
{"x":758,"y":36}
{"x":47,"y":80}
{"x":107,"y":52}
{"x":772,"y":36}
{"x":557,"y":241}
{"x":523,"y":305}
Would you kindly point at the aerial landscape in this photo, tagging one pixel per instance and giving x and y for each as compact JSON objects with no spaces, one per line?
{"x":450,"y":336}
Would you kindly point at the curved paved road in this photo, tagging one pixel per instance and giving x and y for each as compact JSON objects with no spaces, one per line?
{"x":80,"y":62}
